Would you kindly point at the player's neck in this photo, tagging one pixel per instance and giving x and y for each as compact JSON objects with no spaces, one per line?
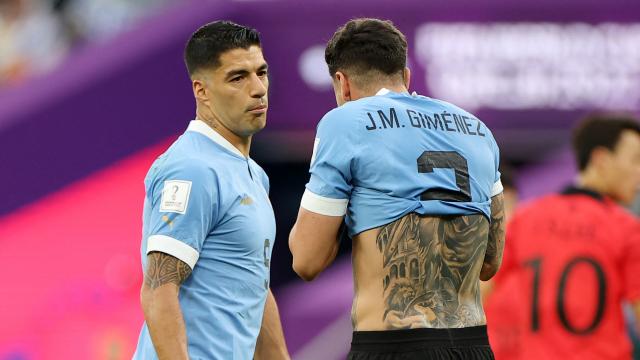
{"x":243,"y":144}
{"x":397,"y":88}
{"x":359,"y":93}
{"x":591,"y":180}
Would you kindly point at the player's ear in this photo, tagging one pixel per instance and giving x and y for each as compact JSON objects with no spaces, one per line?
{"x":406,"y":77}
{"x":600,"y":156}
{"x":199,"y":87}
{"x":344,"y":86}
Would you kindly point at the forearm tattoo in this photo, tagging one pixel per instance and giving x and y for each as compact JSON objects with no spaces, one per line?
{"x":163,"y":269}
{"x":431,"y":268}
{"x":495,"y":245}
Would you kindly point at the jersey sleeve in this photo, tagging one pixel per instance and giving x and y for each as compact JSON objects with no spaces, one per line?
{"x":631,"y":263}
{"x":184,"y":202}
{"x":497,"y":183}
{"x":329,"y":186}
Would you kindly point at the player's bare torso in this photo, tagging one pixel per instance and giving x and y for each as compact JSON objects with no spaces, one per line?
{"x":419,"y":272}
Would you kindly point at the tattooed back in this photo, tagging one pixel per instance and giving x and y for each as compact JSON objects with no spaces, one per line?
{"x":420,"y":272}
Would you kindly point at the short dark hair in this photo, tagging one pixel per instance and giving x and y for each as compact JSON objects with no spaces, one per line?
{"x":363,"y":45}
{"x":600,"y":130}
{"x":205,"y":46}
{"x":507,"y":177}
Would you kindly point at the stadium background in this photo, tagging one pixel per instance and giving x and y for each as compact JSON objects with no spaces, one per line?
{"x":92,"y":91}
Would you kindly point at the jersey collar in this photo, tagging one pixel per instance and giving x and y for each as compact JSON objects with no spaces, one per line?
{"x":385,"y":91}
{"x":573,"y":190}
{"x":201,"y":127}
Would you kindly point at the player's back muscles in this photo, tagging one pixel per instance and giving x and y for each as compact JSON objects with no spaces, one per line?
{"x":420,"y":272}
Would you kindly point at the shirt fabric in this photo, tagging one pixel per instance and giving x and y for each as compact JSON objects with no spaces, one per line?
{"x":207,"y":205}
{"x":380,"y":157}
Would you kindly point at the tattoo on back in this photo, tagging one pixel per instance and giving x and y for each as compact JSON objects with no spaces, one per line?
{"x":163,"y":269}
{"x":432,"y":267}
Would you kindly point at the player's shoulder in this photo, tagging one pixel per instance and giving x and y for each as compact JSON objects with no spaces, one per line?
{"x":346,"y":109}
{"x":454,"y":108}
{"x":342,"y":120}
{"x":543,"y":205}
{"x":180,"y":161}
{"x":188,"y":171}
{"x":443,"y":105}
{"x":566,"y":202}
{"x":621,"y":214}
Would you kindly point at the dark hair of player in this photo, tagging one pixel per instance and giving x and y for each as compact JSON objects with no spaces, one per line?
{"x":507,"y":177}
{"x":205,"y":46}
{"x":364,"y":45}
{"x":600,"y":130}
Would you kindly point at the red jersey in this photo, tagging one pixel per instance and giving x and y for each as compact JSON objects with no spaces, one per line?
{"x":504,"y":316}
{"x":571,"y":259}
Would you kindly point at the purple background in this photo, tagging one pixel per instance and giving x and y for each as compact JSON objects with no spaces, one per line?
{"x":111,"y":100}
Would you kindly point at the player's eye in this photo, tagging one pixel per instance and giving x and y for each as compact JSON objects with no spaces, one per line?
{"x":236,"y":79}
{"x":262,"y":73}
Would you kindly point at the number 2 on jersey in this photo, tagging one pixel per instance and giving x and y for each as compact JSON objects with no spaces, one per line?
{"x":430,"y":160}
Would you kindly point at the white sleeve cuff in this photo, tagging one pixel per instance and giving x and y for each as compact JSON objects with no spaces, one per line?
{"x":323,"y":205}
{"x":173,"y":247}
{"x":497,"y":188}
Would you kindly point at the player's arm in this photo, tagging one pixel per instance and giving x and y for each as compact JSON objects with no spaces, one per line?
{"x":314,"y":239}
{"x":271,"y":344}
{"x":486,"y":289}
{"x":495,"y":243}
{"x":182,"y":198}
{"x":314,"y":242}
{"x":159,"y":298}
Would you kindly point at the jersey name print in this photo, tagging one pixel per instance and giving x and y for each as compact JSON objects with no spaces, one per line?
{"x":392,"y":154}
{"x":445,"y":121}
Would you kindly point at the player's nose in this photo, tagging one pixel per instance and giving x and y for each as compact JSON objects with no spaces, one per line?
{"x":258,"y":88}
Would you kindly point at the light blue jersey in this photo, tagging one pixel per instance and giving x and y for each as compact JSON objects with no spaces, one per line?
{"x":208,"y":205}
{"x":381,"y":157}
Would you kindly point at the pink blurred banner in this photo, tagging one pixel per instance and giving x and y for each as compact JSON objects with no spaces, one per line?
{"x":72,"y":270}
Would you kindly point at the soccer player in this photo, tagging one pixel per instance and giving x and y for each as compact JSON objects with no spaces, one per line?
{"x":576,"y":255}
{"x":418,"y":181}
{"x":208,"y":225}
